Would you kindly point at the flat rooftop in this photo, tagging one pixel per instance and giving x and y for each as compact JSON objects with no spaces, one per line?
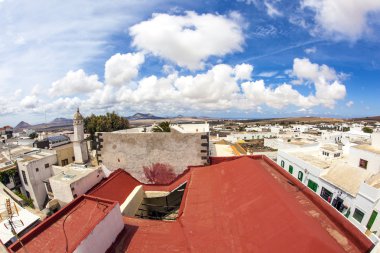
{"x":72,"y":173}
{"x":242,"y":205}
{"x":335,"y":170}
{"x":367,"y":147}
{"x":63,"y":231}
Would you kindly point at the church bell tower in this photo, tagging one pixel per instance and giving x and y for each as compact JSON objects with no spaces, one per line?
{"x":80,"y":146}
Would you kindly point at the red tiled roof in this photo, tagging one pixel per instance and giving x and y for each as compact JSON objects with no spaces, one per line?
{"x":237,"y":205}
{"x":117,"y":187}
{"x":79,"y":218}
{"x":246,"y":205}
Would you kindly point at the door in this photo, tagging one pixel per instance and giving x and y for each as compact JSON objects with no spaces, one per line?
{"x":371,"y":219}
{"x":326,"y":194}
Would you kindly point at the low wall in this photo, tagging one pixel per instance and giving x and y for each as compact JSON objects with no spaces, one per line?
{"x":133,"y":152}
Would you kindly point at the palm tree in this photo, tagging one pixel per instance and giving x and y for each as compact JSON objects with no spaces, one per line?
{"x":162,"y":127}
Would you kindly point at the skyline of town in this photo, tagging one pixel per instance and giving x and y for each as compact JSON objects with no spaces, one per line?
{"x":273,"y":59}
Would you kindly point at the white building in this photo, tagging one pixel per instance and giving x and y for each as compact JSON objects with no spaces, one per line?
{"x":34,"y":168}
{"x":80,"y":145}
{"x":289,"y":142}
{"x":72,"y":181}
{"x":350,"y":182}
{"x":234,"y":137}
{"x":191,"y":128}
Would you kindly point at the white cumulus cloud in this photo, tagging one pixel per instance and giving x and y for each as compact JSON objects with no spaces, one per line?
{"x":343,"y":19}
{"x":75,"y":82}
{"x":189,"y":40}
{"x":328,"y":87}
{"x":122,"y":68}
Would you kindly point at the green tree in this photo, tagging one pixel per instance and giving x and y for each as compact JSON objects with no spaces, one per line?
{"x":104,"y":123}
{"x":367,"y":130}
{"x":162,"y":127}
{"x":33,"y":135}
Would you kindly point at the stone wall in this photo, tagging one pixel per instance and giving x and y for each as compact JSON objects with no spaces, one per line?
{"x":134,"y":151}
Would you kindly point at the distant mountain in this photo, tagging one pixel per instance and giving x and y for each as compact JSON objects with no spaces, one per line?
{"x":22,"y":125}
{"x":370,"y":119}
{"x":61,"y":121}
{"x":138,"y":116}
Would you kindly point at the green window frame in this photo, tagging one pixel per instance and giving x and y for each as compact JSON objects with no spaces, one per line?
{"x":290,"y":169}
{"x":312,"y":185}
{"x":358,"y":215}
{"x":282,"y":164}
{"x":300,"y":175}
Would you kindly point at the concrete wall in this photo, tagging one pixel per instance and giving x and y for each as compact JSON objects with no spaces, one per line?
{"x":133,"y":201}
{"x":133,"y":151}
{"x":104,"y":234}
{"x":61,"y":191}
{"x":86,"y":183}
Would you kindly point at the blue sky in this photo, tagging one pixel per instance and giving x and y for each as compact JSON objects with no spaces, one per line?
{"x":244,"y":58}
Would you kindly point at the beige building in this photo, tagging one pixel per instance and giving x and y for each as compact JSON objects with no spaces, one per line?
{"x":65,"y":154}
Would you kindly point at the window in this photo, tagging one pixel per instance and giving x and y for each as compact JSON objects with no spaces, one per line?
{"x":24,"y":177}
{"x":358,"y":215}
{"x":300,"y":175}
{"x":27,"y":194}
{"x":5,"y":179}
{"x":363,"y":163}
{"x":73,"y":158}
{"x":48,"y":187}
{"x":312,"y":185}
{"x":282,"y":164}
{"x":46,"y":165}
{"x":37,"y":169}
{"x":290,"y":169}
{"x":65,"y":162}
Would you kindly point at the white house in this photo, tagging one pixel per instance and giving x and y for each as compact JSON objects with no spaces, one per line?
{"x":34,"y":168}
{"x":350,"y":182}
{"x":71,"y":181}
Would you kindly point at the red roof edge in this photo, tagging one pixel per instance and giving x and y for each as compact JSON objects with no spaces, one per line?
{"x":109,"y":179}
{"x":352,"y":232}
{"x":56,"y":216}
